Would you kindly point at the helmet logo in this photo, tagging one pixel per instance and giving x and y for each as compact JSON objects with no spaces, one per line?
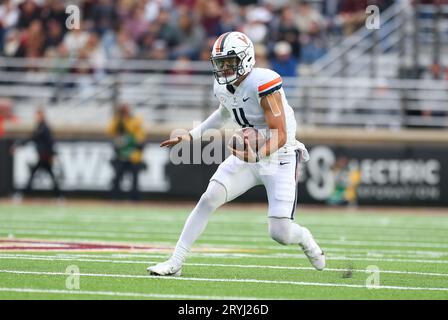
{"x":243,"y":38}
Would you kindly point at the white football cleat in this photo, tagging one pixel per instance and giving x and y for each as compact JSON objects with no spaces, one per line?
{"x":167,"y":268}
{"x":313,"y":251}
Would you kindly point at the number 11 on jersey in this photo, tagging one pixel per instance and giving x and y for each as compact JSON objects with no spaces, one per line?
{"x":241,"y":119}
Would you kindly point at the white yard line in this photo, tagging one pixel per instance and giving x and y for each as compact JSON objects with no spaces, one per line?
{"x":68,"y":258}
{"x":295,"y":256}
{"x":299,"y":283}
{"x":369,"y":254}
{"x":123,"y":294}
{"x":273,"y":255}
{"x":283,"y":251}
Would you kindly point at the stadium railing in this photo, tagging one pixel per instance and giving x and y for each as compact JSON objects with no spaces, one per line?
{"x":179,"y":99}
{"x":411,"y":36}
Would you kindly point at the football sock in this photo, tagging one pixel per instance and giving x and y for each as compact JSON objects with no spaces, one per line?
{"x":213,"y":197}
{"x":285,"y":231}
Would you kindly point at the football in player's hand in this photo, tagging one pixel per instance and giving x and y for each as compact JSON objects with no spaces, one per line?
{"x":255,"y":139}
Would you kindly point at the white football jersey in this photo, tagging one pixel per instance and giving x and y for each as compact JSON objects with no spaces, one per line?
{"x":243,"y":103}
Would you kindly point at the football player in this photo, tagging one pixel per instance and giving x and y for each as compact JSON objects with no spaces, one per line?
{"x":251,"y":97}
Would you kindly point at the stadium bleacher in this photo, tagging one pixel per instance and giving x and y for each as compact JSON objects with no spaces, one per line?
{"x":154,"y":55}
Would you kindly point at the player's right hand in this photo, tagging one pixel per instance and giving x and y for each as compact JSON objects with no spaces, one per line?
{"x":173,"y":141}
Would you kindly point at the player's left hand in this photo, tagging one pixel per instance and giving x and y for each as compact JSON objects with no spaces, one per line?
{"x":248,"y":155}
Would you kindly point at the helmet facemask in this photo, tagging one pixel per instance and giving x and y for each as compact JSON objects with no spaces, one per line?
{"x":227,"y":69}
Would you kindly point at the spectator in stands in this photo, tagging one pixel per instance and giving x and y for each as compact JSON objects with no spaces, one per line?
{"x":119,"y":45}
{"x":6,"y":114}
{"x":245,"y":2}
{"x":311,"y":25}
{"x":231,"y":18}
{"x":94,"y":53}
{"x":286,"y":30}
{"x":352,"y":15}
{"x":129,"y":137}
{"x":86,"y":7}
{"x":54,"y":10}
{"x":256,"y":27}
{"x":166,"y":30}
{"x":28,"y":12}
{"x":42,"y":137}
{"x":11,"y":43}
{"x":284,"y":63}
{"x":309,"y":20}
{"x":191,"y":37}
{"x":312,"y":49}
{"x":277,"y":5}
{"x":330,"y":9}
{"x":204,"y":54}
{"x":159,"y":51}
{"x":146,"y":43}
{"x":152,"y":10}
{"x":261,"y":56}
{"x":123,"y":9}
{"x":136,"y":23}
{"x":104,"y":15}
{"x":55,"y":35}
{"x":182,"y":25}
{"x":9,"y":15}
{"x":76,"y":39}
{"x":188,"y":4}
{"x":308,"y":17}
{"x":210,"y":13}
{"x":32,"y":41}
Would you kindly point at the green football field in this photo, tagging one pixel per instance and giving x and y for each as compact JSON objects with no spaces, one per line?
{"x":101,"y":251}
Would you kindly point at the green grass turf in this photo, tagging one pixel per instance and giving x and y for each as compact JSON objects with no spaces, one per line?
{"x":234,"y":258}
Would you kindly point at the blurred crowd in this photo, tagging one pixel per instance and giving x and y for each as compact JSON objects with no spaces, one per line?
{"x":286,"y":33}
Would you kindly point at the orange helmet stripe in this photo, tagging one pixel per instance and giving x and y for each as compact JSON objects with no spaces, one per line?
{"x":220,"y":42}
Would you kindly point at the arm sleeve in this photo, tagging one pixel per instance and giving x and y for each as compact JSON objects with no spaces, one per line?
{"x":269,"y":83}
{"x":215,"y":121}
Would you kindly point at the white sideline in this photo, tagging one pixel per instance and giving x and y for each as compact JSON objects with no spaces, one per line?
{"x":251,"y":235}
{"x":322,"y":241}
{"x":123,"y":294}
{"x":73,"y":258}
{"x":300,"y":283}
